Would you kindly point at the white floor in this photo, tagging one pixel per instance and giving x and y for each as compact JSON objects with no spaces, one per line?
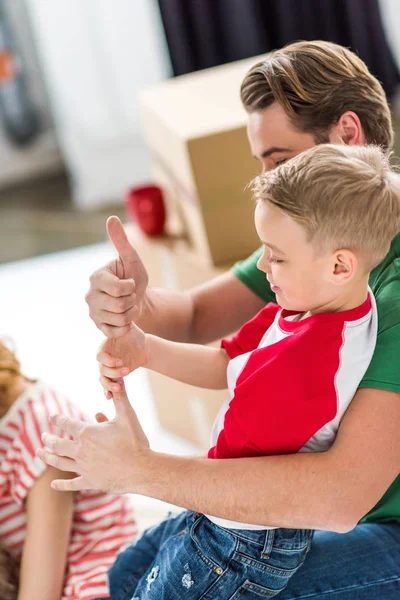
{"x":44,"y":312}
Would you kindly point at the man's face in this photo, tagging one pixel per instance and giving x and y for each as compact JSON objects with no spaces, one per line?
{"x":273,"y":139}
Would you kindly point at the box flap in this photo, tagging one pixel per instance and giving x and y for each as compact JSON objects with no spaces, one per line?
{"x":200,"y":103}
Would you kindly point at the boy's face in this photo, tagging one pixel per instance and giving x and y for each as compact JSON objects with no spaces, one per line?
{"x":300,"y":278}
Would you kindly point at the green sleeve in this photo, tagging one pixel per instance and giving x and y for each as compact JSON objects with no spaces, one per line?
{"x":383,"y":372}
{"x":246,"y":270}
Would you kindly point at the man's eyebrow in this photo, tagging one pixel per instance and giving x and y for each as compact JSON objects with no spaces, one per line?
{"x":273,"y":150}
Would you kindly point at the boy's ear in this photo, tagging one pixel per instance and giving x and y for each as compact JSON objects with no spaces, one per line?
{"x":344,"y":266}
{"x":348,"y":130}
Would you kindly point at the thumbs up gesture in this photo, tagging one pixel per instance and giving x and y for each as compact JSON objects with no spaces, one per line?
{"x":117,"y":292}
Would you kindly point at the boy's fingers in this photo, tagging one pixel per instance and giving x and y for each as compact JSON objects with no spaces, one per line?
{"x":104,"y":358}
{"x":113,"y":373}
{"x":109,"y":385}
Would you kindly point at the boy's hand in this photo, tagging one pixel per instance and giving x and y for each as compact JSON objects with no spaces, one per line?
{"x":119,"y":357}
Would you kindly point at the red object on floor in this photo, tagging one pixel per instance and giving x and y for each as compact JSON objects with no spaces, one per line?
{"x":145,"y":205}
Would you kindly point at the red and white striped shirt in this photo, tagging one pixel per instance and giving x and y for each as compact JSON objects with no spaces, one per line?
{"x":102,"y":523}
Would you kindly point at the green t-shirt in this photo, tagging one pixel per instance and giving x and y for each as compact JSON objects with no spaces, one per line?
{"x":384,"y":371}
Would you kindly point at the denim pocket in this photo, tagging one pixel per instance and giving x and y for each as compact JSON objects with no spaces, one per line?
{"x":270,"y":561}
{"x":214,"y":545}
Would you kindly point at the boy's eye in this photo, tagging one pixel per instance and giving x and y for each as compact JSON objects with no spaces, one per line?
{"x":273,"y":260}
{"x":280,"y":162}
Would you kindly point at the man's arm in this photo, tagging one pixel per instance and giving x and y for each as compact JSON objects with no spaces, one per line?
{"x":331,"y":490}
{"x":203,"y":314}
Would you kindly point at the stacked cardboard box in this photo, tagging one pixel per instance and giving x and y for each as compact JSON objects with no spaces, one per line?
{"x":195,"y":129}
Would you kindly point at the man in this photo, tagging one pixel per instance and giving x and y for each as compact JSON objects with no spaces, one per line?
{"x":307,"y":93}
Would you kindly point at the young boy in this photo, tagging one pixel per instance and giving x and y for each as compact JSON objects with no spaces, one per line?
{"x":326,"y":219}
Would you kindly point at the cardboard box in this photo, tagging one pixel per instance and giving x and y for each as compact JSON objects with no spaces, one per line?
{"x":195,"y":128}
{"x":184,"y":410}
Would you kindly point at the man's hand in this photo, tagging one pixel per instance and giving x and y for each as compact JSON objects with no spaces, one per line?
{"x":106,"y":456}
{"x":117,"y":291}
{"x":120,"y":357}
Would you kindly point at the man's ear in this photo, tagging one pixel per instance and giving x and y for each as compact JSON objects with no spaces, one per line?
{"x":348,"y":130}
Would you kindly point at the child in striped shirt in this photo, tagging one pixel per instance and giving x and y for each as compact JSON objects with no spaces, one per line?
{"x":62,"y":543}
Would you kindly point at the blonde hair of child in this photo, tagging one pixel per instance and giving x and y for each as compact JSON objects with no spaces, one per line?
{"x":345,"y":197}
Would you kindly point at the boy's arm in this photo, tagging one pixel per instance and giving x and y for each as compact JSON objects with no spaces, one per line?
{"x":192,"y":364}
{"x":44,"y":558}
{"x":188,"y":363}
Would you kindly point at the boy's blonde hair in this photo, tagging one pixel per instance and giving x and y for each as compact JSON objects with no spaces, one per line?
{"x":343,"y":197}
{"x":315,"y":83}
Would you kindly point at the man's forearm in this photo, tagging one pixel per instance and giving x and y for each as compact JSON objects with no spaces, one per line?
{"x":167,"y":314}
{"x":329,"y":490}
{"x":189,"y":363}
{"x":303,"y":490}
{"x":202,"y":314}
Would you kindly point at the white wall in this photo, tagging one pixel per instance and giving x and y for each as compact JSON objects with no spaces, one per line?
{"x":96,"y":55}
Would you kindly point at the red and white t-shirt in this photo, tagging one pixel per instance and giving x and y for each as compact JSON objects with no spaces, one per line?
{"x":290,"y":382}
{"x":102,"y":523}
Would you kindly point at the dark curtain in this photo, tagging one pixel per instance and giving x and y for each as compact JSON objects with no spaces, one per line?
{"x":205,"y":33}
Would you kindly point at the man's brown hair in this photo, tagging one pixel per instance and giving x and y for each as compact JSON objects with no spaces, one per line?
{"x":315,"y":83}
{"x":343,"y":197}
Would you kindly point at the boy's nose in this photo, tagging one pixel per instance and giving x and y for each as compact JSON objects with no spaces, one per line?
{"x":263,"y":264}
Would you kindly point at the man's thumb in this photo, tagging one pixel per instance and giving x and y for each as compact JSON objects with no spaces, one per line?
{"x":119,"y":239}
{"x":132,"y":265}
{"x":124,"y":410}
{"x":121,"y":401}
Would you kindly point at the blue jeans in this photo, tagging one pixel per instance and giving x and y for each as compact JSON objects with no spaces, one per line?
{"x":363,"y":564}
{"x":190,"y":557}
{"x":360,"y":565}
